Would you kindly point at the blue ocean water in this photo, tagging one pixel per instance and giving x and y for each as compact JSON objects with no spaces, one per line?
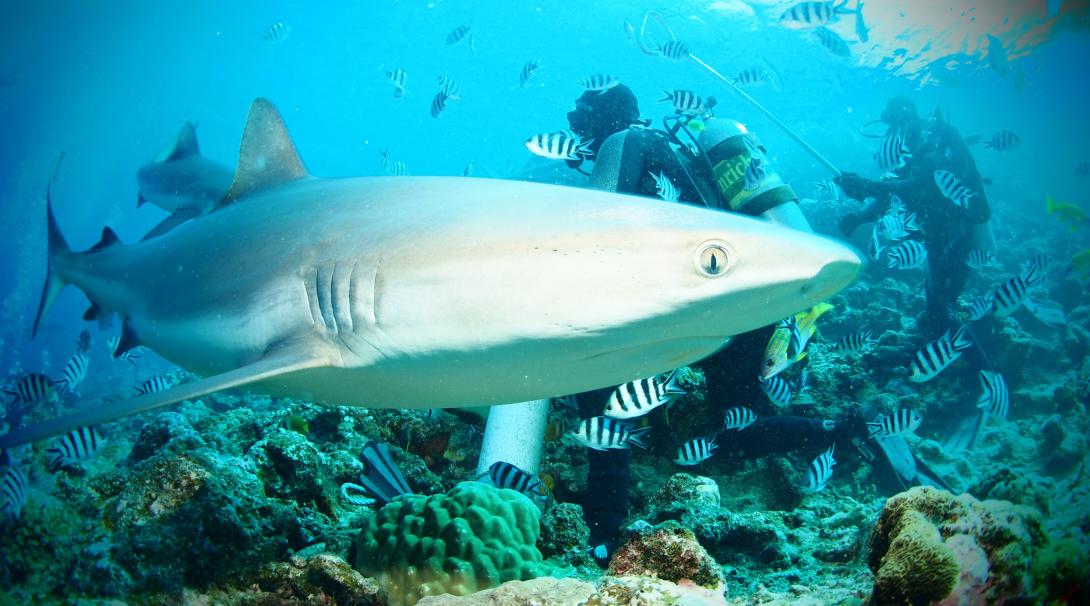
{"x":109,"y":86}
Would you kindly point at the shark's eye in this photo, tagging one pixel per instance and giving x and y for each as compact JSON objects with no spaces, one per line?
{"x":712,"y":259}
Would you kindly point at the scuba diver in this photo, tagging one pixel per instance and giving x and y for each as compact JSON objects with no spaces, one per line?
{"x":949,"y":230}
{"x":708,"y":169}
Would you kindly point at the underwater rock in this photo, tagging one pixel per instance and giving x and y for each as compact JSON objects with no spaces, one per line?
{"x":1059,"y":450}
{"x":641,"y":591}
{"x":168,"y":432}
{"x":564,"y":534}
{"x":471,"y":538}
{"x":930,"y":546}
{"x":544,"y":591}
{"x":320,"y":580}
{"x":683,"y":493}
{"x":290,"y":467}
{"x":668,"y":551}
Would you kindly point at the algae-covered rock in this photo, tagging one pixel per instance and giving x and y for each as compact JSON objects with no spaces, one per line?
{"x":646,"y":591}
{"x":564,"y":534}
{"x":471,"y":538}
{"x":668,"y":551}
{"x":930,"y":546}
{"x":544,"y":591}
{"x":320,"y":580}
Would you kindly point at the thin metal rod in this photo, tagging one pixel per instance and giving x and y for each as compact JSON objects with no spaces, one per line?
{"x":785,"y":128}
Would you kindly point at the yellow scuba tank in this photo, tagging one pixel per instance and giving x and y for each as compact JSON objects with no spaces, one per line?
{"x":724,"y":142}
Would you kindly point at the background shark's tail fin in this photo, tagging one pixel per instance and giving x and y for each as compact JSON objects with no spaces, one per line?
{"x":58,"y":248}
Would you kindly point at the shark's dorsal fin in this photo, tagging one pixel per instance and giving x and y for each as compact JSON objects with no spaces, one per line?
{"x":108,"y":239}
{"x":267,"y":156}
{"x":186,"y":145}
{"x":279,"y":362}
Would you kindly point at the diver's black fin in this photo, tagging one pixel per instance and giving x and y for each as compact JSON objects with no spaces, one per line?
{"x":382,"y":477}
{"x":93,"y":312}
{"x":128,"y":339}
{"x":966,"y":434}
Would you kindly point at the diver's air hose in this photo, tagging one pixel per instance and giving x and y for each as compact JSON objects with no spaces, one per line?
{"x":784,"y":127}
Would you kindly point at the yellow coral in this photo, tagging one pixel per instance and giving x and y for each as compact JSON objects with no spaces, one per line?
{"x":917,"y":568}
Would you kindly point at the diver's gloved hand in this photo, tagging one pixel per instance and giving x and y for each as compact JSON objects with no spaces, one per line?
{"x":853,"y":185}
{"x":848,"y":224}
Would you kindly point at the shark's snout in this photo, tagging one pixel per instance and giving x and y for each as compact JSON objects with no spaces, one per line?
{"x":835,"y":274}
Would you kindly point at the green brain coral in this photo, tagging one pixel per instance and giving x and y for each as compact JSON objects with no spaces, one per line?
{"x":471,"y":538}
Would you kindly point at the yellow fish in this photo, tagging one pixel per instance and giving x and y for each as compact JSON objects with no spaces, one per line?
{"x":775,"y":359}
{"x":1081,"y":263}
{"x":1074,"y":216}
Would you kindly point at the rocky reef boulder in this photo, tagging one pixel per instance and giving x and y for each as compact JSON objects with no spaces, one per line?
{"x":932,"y":547}
{"x":668,"y":551}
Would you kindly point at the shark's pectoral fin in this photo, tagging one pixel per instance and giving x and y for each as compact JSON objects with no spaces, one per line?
{"x":174,"y":220}
{"x":278,"y":362}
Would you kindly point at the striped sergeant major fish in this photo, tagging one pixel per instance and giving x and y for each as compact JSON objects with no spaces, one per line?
{"x":856,"y":341}
{"x":978,"y":258}
{"x":639,"y":397}
{"x":684,"y":101}
{"x":155,"y":385}
{"x":1036,"y":268}
{"x":673,"y":49}
{"x":381,"y":476}
{"x":695,"y":451}
{"x":277,"y":32}
{"x":776,"y":358}
{"x":438,"y":104}
{"x":560,"y":145}
{"x":980,"y":307}
{"x":934,"y":357}
{"x":604,"y":433}
{"x":876,"y":247}
{"x":861,"y":29}
{"x":814,"y":14}
{"x":892,"y":154}
{"x":1083,"y":169}
{"x":74,"y":447}
{"x":599,"y":82}
{"x":398,"y":78}
{"x":908,"y":255}
{"x":832,"y":42}
{"x":1012,"y":293}
{"x":75,"y":371}
{"x":952,"y":188}
{"x":449,"y":88}
{"x":458,"y":34}
{"x":505,"y":475}
{"x":827,"y":190}
{"x":754,"y":175}
{"x":528,"y":71}
{"x":995,"y":398}
{"x":32,"y":388}
{"x":904,"y":421}
{"x":751,"y":76}
{"x":395,"y":168}
{"x":12,"y":492}
{"x":777,"y":390}
{"x":738,"y":418}
{"x":131,"y":355}
{"x":898,"y":226}
{"x":664,"y":187}
{"x":820,"y":471}
{"x":1003,"y":140}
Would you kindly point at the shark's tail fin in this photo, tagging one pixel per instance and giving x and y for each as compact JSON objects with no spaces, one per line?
{"x":58,"y":249}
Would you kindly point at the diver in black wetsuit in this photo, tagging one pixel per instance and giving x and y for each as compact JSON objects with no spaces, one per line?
{"x":949,"y":231}
{"x":627,"y":156}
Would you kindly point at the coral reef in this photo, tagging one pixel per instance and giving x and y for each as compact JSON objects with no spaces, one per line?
{"x":544,"y":591}
{"x":930,"y":546}
{"x":470,"y":538}
{"x":564,"y":534}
